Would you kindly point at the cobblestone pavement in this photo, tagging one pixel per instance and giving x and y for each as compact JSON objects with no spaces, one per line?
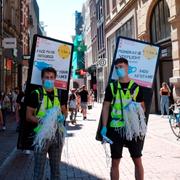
{"x":84,"y":158}
{"x":8,"y":138}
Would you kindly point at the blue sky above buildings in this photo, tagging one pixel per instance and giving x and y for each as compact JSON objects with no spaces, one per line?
{"x":59,"y":16}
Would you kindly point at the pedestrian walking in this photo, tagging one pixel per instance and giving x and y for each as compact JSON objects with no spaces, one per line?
{"x":40,"y":103}
{"x":84,"y":101}
{"x":78,"y":98}
{"x":123,"y":119}
{"x":164,"y":93}
{"x":19,"y":108}
{"x":73,"y":106}
{"x":5,"y":107}
{"x":14,"y":98}
{"x":91,"y":99}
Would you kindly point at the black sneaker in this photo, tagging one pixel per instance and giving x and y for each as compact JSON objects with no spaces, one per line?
{"x":84,"y":118}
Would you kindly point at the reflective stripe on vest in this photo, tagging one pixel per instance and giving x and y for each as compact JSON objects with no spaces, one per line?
{"x":116,"y":112}
{"x":47,"y":103}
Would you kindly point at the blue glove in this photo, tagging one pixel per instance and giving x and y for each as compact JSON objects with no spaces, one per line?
{"x":61,"y":118}
{"x":103,"y":131}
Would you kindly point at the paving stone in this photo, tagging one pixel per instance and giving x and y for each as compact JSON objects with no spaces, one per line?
{"x":83,"y":157}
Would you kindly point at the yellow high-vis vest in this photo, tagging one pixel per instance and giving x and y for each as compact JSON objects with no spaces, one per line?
{"x":46,"y":102}
{"x":120,"y":101}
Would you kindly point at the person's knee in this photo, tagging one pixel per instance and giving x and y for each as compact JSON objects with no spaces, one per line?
{"x":138,"y":162}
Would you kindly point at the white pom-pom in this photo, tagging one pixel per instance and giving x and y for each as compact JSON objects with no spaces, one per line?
{"x":49,"y":127}
{"x":135,"y":121}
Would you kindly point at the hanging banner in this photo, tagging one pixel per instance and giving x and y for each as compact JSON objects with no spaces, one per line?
{"x":142,"y":59}
{"x":142,"y":62}
{"x":52,"y":53}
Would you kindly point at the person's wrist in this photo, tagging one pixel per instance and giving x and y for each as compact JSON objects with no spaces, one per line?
{"x":103,"y":130}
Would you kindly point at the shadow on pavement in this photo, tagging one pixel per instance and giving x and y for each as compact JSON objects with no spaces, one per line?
{"x":69,"y":171}
{"x":70,"y":134}
{"x":20,"y":166}
{"x":91,"y":119}
{"x":8,"y":138}
{"x":74,"y":127}
{"x":17,"y":166}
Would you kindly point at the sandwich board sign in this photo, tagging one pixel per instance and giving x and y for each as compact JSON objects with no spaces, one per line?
{"x":142,"y":59}
{"x":46,"y":52}
{"x":52,"y":53}
{"x":142,"y":63}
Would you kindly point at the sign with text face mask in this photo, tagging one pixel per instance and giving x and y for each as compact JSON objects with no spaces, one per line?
{"x":54,"y":53}
{"x":142,"y":59}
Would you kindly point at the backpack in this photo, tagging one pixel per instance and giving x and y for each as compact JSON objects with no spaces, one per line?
{"x":40,"y":99}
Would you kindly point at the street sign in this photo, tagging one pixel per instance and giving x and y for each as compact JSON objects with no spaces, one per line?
{"x":101,"y":62}
{"x":26,"y":57}
{"x":80,"y":48}
{"x":9,"y":43}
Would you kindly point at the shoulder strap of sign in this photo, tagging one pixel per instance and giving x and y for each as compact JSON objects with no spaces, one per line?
{"x":40,"y":98}
{"x":133,"y":87}
{"x":115,"y":84}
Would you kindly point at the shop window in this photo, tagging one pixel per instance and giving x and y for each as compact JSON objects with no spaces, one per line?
{"x":160,"y":27}
{"x":113,"y":4}
{"x":107,"y":8}
{"x":127,"y":29}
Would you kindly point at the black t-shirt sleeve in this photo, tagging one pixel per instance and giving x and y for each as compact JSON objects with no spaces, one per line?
{"x":140,"y":96}
{"x":33,"y":100}
{"x":63,"y":97}
{"x":108,"y":94}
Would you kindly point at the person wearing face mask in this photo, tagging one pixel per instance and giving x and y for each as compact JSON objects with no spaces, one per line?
{"x":36,"y":111}
{"x":121,"y":97}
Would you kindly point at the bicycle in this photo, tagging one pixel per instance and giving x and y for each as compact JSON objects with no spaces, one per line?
{"x":174,"y":119}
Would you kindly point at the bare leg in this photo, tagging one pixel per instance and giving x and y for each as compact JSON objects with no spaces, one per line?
{"x":115,"y":169}
{"x":139,"y":170}
{"x":85,"y":112}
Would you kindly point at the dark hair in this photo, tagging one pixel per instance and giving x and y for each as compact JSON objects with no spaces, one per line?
{"x":120,"y":60}
{"x":48,"y":69}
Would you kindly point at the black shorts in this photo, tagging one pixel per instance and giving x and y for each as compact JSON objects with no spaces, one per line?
{"x":135,"y":148}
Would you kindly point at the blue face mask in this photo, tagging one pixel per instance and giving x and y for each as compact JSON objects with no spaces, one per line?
{"x":120,"y":72}
{"x":48,"y":84}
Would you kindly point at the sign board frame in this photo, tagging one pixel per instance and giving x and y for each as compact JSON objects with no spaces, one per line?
{"x":25,"y":138}
{"x":34,"y":57}
{"x":147,"y":91}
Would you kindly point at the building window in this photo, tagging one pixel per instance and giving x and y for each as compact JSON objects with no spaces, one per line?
{"x":107,"y":8}
{"x":101,"y":8}
{"x":127,"y":29}
{"x":113,"y":4}
{"x":160,"y":27}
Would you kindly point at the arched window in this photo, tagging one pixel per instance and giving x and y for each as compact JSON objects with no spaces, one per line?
{"x":160,"y":27}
